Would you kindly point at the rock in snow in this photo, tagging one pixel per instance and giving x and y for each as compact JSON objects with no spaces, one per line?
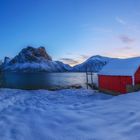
{"x":33,"y":60}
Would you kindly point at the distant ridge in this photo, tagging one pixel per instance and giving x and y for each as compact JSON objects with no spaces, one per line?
{"x":94,"y":63}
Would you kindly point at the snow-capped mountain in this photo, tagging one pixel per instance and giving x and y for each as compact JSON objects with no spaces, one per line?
{"x":94,"y":63}
{"x":33,"y":60}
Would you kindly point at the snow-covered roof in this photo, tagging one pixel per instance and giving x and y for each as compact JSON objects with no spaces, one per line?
{"x":121,"y":67}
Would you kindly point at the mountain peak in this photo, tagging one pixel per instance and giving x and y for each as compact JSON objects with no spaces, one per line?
{"x":94,"y":63}
{"x":31,"y":54}
{"x":32,"y":59}
{"x":98,"y":57}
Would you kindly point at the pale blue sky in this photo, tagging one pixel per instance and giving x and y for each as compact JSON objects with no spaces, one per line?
{"x":71,"y":29}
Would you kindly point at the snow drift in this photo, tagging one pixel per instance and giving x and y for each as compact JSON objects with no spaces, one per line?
{"x":69,"y":115}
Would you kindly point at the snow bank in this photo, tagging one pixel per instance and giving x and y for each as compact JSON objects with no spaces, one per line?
{"x":68,"y":114}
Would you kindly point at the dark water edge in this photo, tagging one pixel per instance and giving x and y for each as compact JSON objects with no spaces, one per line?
{"x":42,"y":80}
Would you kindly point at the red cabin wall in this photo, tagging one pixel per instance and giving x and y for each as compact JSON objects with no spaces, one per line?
{"x":137,"y":76}
{"x":114,"y":83}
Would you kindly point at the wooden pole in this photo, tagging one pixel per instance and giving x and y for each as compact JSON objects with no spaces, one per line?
{"x":87,"y":76}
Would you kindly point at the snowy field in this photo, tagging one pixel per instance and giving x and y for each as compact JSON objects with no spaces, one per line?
{"x":68,"y":115}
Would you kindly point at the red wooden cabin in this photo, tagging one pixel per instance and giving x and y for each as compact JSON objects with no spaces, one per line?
{"x":120,"y":76}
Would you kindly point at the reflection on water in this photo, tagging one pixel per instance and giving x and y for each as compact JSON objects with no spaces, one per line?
{"x":42,"y":80}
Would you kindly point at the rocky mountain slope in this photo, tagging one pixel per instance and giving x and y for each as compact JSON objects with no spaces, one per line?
{"x":33,"y":60}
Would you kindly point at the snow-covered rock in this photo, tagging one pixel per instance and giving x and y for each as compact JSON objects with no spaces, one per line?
{"x":94,"y":63}
{"x":31,"y":54}
{"x":34,"y":60}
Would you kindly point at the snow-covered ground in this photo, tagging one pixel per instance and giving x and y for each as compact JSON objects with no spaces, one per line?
{"x":68,"y":115}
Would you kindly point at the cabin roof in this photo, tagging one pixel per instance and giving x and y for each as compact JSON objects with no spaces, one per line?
{"x":121,"y":67}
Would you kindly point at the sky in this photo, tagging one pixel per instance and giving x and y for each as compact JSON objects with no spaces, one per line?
{"x":71,"y":30}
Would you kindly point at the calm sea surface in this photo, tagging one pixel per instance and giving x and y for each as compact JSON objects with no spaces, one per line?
{"x":42,"y":80}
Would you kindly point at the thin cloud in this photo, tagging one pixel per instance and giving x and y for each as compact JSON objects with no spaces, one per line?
{"x":69,"y":61}
{"x":128,"y":26}
{"x":119,"y":54}
{"x":77,"y":60}
{"x":120,"y":20}
{"x":126,"y":48}
{"x":126,"y":39}
{"x":85,"y":57}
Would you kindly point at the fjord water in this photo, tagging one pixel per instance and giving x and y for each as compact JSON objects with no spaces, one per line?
{"x":42,"y":80}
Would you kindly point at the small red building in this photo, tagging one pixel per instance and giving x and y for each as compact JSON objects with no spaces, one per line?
{"x":120,"y":76}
